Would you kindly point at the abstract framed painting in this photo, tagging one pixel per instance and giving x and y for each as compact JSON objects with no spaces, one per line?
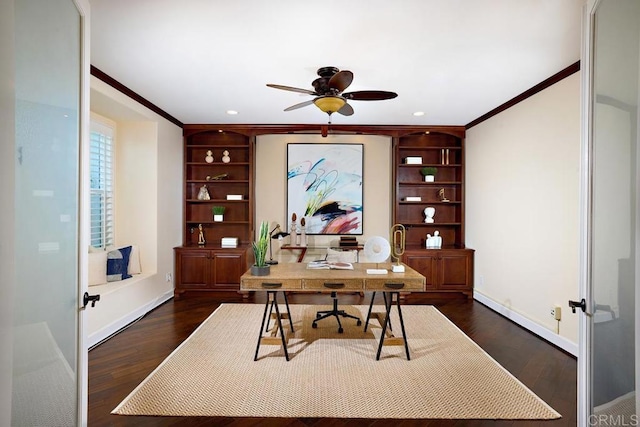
{"x":324,"y":186}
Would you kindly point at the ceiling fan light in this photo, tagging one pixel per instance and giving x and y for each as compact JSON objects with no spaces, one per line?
{"x":329,"y":104}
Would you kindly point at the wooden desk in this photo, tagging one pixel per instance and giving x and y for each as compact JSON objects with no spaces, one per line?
{"x":297,"y":277}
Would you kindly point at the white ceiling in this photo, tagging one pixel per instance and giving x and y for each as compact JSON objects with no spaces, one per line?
{"x":454,"y":60}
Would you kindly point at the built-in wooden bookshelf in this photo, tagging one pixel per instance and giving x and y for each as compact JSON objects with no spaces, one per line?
{"x":218,"y":163}
{"x":450,"y":268}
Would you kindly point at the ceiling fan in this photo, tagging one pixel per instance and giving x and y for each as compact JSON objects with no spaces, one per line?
{"x":328,"y":93}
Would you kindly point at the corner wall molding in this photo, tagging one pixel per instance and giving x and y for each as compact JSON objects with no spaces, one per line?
{"x":133,"y":95}
{"x":571,"y":69}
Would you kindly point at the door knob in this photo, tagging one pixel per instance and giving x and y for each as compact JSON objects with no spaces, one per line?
{"x":581,"y":304}
{"x":90,"y":298}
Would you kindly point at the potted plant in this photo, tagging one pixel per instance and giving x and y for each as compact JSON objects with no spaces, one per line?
{"x":429,"y":173}
{"x":218,"y":213}
{"x":261,"y":268}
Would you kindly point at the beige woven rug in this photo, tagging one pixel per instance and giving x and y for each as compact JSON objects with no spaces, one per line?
{"x":332,"y":375}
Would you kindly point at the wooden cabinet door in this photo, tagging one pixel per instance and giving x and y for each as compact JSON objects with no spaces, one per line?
{"x":453,"y":271}
{"x":226,"y":269}
{"x":423,"y":262}
{"x":193,"y":271}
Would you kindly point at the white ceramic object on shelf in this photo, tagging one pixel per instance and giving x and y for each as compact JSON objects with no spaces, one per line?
{"x":209,"y":157}
{"x":429,"y":213}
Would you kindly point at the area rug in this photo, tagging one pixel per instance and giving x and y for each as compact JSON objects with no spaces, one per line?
{"x":332,"y":375}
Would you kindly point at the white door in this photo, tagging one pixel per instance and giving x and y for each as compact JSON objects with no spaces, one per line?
{"x":41,"y":266}
{"x":609,"y":351}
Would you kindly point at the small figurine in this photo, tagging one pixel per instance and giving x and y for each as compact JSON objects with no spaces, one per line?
{"x":209,"y":157}
{"x":225,"y":157}
{"x":203,"y":194}
{"x":429,"y":212}
{"x":217,"y":177}
{"x":435,"y":241}
{"x":201,"y":240}
{"x":443,"y":198}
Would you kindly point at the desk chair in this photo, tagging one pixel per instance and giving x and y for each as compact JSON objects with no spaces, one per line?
{"x":337,"y":256}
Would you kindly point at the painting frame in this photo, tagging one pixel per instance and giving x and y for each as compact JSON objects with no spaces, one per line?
{"x":325,"y":187}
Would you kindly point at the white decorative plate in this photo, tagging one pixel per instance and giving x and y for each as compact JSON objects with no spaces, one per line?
{"x":377,"y":249}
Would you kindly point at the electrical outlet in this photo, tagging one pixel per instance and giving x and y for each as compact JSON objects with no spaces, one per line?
{"x":556,"y":312}
{"x":168,"y":277}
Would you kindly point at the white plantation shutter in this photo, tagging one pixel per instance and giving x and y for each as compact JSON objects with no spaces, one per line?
{"x":102,"y":185}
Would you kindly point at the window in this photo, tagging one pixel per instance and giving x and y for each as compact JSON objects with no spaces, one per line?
{"x":101,"y":175}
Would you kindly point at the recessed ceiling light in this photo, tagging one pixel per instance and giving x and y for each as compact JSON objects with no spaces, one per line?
{"x":418,"y":113}
{"x":232,"y":112}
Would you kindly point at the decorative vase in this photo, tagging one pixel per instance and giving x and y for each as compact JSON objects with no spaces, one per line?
{"x":218,"y":218}
{"x":209,"y":157}
{"x":260,"y":271}
{"x":225,"y":157}
{"x":429,"y":178}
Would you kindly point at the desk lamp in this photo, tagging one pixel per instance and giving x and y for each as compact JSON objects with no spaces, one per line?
{"x":274,"y":235}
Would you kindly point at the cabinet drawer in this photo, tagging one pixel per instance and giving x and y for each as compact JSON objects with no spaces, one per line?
{"x":267,"y":284}
{"x":390,"y":284}
{"x":333,"y":285}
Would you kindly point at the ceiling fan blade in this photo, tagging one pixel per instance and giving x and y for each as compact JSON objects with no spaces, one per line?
{"x":292,"y":89}
{"x":341,"y":80}
{"x":346,"y":110}
{"x":369,"y":95}
{"x":300,"y":105}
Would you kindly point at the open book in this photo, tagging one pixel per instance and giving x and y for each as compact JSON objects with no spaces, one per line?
{"x":327,"y":265}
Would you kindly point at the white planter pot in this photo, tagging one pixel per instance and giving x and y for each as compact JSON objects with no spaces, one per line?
{"x":218,"y":218}
{"x":429,"y":178}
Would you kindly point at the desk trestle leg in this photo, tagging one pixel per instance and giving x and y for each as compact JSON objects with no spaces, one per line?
{"x":386,"y":305}
{"x":390,"y":339}
{"x":284,"y":315}
{"x":272,"y":339}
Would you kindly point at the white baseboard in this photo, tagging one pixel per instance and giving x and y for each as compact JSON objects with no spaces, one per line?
{"x":115,"y":326}
{"x":528,"y":324}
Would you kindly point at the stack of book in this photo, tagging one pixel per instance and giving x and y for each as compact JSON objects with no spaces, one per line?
{"x":348,"y":242}
{"x":229,"y":242}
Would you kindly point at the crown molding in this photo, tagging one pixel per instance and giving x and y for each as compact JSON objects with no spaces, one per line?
{"x":571,"y":69}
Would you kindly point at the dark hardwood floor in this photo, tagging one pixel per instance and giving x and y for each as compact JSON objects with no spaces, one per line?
{"x":118,"y":365}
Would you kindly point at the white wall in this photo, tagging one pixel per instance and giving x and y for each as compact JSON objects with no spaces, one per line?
{"x":148,"y":206}
{"x":136,"y":189}
{"x":271,"y":187}
{"x":522,"y":209}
